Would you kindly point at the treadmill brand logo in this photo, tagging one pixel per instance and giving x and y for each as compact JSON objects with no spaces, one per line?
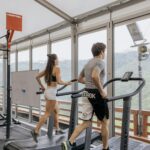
{"x":88,"y":95}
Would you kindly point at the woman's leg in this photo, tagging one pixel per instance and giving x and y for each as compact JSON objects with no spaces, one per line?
{"x":56,"y":116}
{"x":50,"y":106}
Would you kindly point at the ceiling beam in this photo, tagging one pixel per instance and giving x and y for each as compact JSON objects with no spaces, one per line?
{"x":55,"y":10}
{"x":80,"y":18}
{"x":117,"y":5}
{"x":45,"y":31}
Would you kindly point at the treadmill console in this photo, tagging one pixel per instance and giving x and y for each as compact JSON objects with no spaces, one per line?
{"x":126,"y":76}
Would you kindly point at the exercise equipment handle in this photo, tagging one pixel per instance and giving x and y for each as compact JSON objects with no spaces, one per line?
{"x":139,"y":88}
{"x":61,"y":88}
{"x":70,"y":93}
{"x":39,"y":92}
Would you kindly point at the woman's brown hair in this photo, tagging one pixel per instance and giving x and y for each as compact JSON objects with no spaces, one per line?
{"x":49,"y":67}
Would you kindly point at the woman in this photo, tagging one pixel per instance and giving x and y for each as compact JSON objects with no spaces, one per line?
{"x":52,"y":77}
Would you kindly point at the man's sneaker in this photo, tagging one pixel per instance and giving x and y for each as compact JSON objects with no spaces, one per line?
{"x":34,"y":135}
{"x":66,"y":145}
{"x":59,"y":131}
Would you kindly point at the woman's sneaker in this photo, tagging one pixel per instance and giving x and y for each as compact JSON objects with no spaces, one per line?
{"x":66,"y":145}
{"x":34,"y":135}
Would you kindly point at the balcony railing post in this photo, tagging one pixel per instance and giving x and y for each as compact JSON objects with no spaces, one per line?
{"x":30,"y":114}
{"x":145,"y":120}
{"x":16,"y":109}
{"x":135,"y":122}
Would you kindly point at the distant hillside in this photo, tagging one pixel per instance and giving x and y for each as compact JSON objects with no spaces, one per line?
{"x":124,"y":62}
{"x":129,"y":62}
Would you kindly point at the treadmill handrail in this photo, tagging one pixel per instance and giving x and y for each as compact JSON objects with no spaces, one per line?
{"x":114,"y":98}
{"x":59,"y":89}
{"x":70,"y":92}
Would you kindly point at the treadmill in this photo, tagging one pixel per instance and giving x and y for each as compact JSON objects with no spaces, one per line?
{"x":53,"y":142}
{"x":123,"y":142}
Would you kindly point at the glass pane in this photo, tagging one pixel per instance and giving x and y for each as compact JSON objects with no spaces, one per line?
{"x":126,"y":59}
{"x":13,"y":62}
{"x":145,"y":30}
{"x":63,"y":51}
{"x":23,"y":60}
{"x":85,"y":49}
{"x":39,"y":57}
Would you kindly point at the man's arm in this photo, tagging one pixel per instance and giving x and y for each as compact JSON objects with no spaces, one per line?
{"x":81,"y":78}
{"x":97,"y":81}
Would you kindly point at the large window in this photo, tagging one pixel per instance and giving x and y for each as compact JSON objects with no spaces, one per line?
{"x":23,"y":60}
{"x":126,"y":59}
{"x":63,"y":51}
{"x":39,"y":57}
{"x":13,"y":62}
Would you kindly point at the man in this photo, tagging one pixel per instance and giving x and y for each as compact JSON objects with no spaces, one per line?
{"x":94,"y":96}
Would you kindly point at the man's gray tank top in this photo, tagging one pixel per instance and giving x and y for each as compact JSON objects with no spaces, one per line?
{"x":87,"y":72}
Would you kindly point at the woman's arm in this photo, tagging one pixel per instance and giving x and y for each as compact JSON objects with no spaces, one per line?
{"x":41,"y":74}
{"x":58,"y":77}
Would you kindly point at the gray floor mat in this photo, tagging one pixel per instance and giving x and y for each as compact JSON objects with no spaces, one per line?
{"x":114,"y":144}
{"x":16,"y":132}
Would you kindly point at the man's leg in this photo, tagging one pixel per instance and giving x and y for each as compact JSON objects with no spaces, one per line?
{"x":105,"y":132}
{"x":67,"y":145}
{"x":78,"y":130}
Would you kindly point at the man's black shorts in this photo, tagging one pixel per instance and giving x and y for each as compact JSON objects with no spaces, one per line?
{"x":99,"y":104}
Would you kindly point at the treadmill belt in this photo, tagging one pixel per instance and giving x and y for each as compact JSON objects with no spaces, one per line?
{"x":45,"y":143}
{"x":23,"y":144}
{"x":147,"y":147}
{"x":132,"y":144}
{"x":16,"y":132}
{"x":114,"y":144}
{"x":2,"y":142}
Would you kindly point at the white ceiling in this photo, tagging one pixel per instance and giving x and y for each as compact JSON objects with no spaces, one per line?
{"x":36,"y":17}
{"x":77,"y":7}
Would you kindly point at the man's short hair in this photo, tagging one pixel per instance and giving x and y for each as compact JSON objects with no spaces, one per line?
{"x":98,"y":48}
